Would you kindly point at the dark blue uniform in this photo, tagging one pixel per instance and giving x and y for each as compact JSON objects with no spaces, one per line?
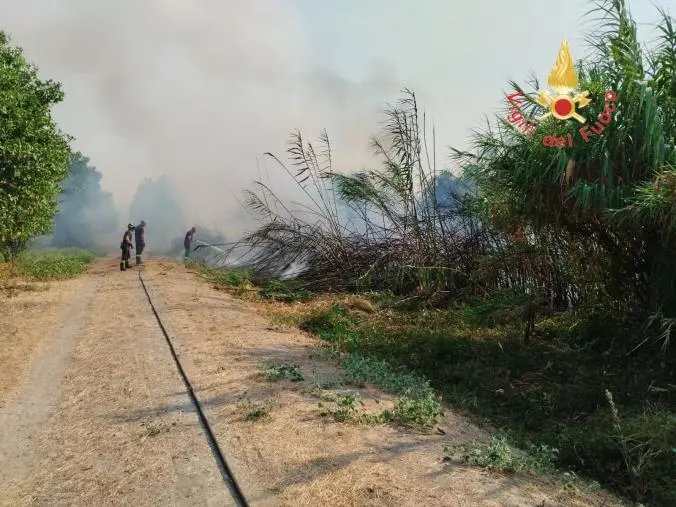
{"x":187,"y":242}
{"x":139,"y":239}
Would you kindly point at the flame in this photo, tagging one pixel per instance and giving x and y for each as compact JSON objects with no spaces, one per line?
{"x":563,"y":76}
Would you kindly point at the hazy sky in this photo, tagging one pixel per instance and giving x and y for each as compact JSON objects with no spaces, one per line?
{"x":199,"y":89}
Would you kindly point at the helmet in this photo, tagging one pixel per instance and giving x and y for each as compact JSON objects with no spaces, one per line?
{"x":131,"y":227}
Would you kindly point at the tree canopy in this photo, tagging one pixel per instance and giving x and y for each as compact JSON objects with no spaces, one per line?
{"x":34,"y":152}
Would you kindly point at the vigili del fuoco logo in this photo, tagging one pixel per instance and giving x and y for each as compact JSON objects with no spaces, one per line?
{"x":565,"y":101}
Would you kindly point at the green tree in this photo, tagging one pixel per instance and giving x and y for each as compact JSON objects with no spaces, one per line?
{"x":606,"y":206}
{"x":87,"y":217}
{"x":33,"y":151}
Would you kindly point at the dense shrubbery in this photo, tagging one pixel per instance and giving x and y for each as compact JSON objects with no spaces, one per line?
{"x":584,"y":234}
{"x":54,"y":264}
{"x":573,"y":226}
{"x":33,"y":151}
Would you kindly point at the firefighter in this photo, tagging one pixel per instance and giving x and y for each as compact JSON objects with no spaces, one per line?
{"x":126,"y":247}
{"x":187,"y":242}
{"x":140,"y":240}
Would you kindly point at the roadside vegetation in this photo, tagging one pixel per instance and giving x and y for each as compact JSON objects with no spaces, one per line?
{"x":54,"y":264}
{"x":43,"y":183}
{"x":532,"y":287}
{"x":45,"y":265}
{"x":33,"y":150}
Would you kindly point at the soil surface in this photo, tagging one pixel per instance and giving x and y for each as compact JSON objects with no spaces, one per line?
{"x":94,"y":412}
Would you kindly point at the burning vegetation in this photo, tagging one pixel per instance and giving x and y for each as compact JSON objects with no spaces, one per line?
{"x":534,"y":287}
{"x":526,"y":286}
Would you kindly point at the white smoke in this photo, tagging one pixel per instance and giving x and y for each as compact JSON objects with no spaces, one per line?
{"x":198,"y":90}
{"x":194,"y":90}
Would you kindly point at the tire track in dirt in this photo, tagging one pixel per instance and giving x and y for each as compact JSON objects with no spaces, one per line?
{"x":296,"y":456}
{"x":28,"y":311}
{"x":124,"y":431}
{"x":40,"y":390}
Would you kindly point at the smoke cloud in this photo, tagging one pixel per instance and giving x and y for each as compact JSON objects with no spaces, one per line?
{"x":86,"y":216}
{"x":198,"y":90}
{"x":194,"y":90}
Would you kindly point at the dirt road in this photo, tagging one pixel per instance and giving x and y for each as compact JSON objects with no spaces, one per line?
{"x":93,"y":411}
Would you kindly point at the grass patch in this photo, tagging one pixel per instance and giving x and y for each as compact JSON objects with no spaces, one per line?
{"x":361,"y":370}
{"x":236,"y":281}
{"x":334,"y":325}
{"x":418,"y":405}
{"x":274,"y":373}
{"x":260,"y":412}
{"x":284,"y":291}
{"x":254,"y":411}
{"x":240,"y":283}
{"x":45,"y":265}
{"x":499,"y":455}
{"x":348,"y":411}
{"x":548,"y":398}
{"x":419,"y":412}
{"x":152,"y":428}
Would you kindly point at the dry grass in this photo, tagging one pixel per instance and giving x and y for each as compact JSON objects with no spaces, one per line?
{"x":28,"y":311}
{"x":123,"y":432}
{"x":288,"y":315}
{"x":298,"y":453}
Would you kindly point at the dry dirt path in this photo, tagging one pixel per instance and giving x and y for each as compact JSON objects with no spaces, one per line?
{"x":101,"y":417}
{"x":98,"y":415}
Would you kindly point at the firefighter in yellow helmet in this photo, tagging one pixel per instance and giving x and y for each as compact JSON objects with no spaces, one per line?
{"x":126,"y":247}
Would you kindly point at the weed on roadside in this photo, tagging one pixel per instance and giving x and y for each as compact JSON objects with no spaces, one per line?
{"x":285,"y":291}
{"x":419,"y":412}
{"x":13,"y":288}
{"x":254,"y":410}
{"x":415,"y":413}
{"x":348,"y":410}
{"x":258,"y":413}
{"x":319,"y":392}
{"x":273,"y":373}
{"x":499,"y":455}
{"x":54,"y":264}
{"x":154,"y":428}
{"x":236,"y":281}
{"x":362,"y":370}
{"x":418,"y":405}
{"x":333,"y":325}
{"x":548,"y":394}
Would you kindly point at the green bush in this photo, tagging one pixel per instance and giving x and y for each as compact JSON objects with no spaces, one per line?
{"x":284,"y":290}
{"x":361,"y":370}
{"x":333,"y":325}
{"x":284,"y":371}
{"x":422,"y":411}
{"x":54,"y":264}
{"x":501,"y":456}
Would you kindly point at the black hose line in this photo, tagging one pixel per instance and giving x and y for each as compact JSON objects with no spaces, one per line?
{"x":226,"y":473}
